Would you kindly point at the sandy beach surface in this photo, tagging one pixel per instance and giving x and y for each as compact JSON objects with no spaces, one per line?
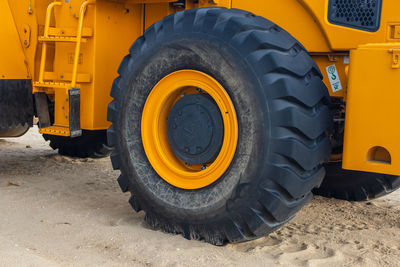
{"x":59,"y":211}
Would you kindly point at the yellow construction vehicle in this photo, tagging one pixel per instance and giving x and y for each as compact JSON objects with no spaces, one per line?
{"x":224,"y":114}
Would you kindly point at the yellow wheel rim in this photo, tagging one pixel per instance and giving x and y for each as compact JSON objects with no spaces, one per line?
{"x":154,"y":129}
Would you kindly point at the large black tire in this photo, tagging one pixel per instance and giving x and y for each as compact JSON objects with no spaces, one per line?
{"x":89,"y":144}
{"x":355,"y":185}
{"x":282,"y":110}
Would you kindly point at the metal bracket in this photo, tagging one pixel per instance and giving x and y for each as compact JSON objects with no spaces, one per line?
{"x":30,"y":7}
{"x":180,"y":4}
{"x":42,"y":109}
{"x":332,"y":58}
{"x":395,"y":58}
{"x":27,"y":36}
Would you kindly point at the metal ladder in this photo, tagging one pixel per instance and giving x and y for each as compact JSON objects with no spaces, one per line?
{"x":42,"y":86}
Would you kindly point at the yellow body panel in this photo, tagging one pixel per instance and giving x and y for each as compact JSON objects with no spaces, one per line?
{"x":373,"y":110}
{"x":110,"y":27}
{"x":307,"y":21}
{"x":12,"y":57}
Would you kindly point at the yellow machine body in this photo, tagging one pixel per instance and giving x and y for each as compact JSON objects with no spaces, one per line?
{"x":12,"y":55}
{"x":372,"y":134}
{"x":81,"y":44}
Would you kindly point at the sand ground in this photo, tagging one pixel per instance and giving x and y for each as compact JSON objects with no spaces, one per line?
{"x":58,"y":211}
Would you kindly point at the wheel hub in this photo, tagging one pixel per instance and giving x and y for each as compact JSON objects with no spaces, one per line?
{"x":165,"y":146}
{"x":195,"y":129}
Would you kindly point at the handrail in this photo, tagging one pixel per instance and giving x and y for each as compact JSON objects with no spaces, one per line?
{"x":50,"y":8}
{"x":79,"y":40}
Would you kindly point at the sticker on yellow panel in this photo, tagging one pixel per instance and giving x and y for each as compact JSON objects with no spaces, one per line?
{"x":334,"y":78}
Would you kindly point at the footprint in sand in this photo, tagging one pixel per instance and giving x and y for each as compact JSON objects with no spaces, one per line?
{"x":262,"y":244}
{"x":290,"y":251}
{"x":309,"y":255}
{"x":329,"y":257}
{"x":130,"y":220}
{"x":313,"y":229}
{"x":64,"y":159}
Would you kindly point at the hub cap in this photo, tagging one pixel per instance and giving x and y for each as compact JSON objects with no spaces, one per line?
{"x":195,"y":129}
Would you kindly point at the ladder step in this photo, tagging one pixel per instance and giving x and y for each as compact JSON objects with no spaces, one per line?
{"x":60,"y":39}
{"x":51,"y":85}
{"x":73,"y":129}
{"x":69,"y":32}
{"x":55,"y":130}
{"x":80,"y":78}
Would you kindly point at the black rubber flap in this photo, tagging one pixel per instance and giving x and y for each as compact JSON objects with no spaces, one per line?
{"x":75,"y":112}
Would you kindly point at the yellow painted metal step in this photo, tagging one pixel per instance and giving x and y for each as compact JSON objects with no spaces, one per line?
{"x":60,"y":39}
{"x":81,"y":77}
{"x":51,"y":85}
{"x":69,"y":32}
{"x":55,"y":130}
